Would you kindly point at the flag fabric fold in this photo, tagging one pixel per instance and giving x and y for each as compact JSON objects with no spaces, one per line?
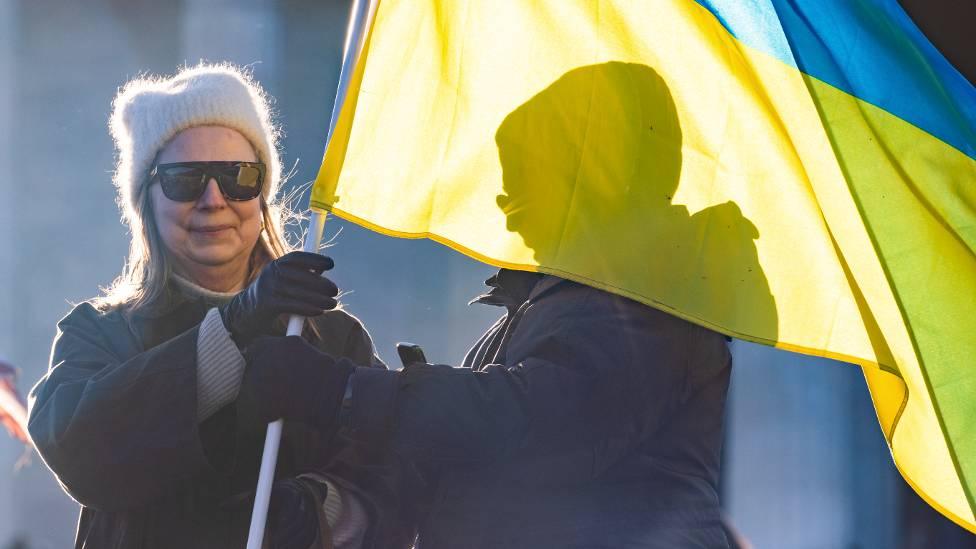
{"x":795,"y":173}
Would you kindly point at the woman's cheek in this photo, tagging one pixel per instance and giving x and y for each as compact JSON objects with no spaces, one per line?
{"x":251,"y":225}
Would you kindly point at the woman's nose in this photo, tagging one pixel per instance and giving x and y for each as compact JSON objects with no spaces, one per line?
{"x":212,"y":197}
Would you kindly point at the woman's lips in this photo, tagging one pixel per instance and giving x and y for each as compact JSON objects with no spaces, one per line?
{"x":210,"y":230}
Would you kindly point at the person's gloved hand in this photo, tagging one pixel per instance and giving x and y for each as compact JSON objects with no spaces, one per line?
{"x":285,"y":377}
{"x":293,"y":520}
{"x":291,"y":284}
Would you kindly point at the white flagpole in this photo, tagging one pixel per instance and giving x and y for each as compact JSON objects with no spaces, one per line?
{"x":361,"y":16}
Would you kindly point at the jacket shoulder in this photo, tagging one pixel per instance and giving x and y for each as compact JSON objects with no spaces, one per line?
{"x":86,"y":327}
{"x":583,"y":303}
{"x":86,"y":316}
{"x":582,"y":312}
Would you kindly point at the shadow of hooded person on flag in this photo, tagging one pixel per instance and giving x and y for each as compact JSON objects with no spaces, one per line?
{"x":591,"y":165}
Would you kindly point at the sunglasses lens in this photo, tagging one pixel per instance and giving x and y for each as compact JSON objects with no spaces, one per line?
{"x":241,"y":182}
{"x":249,"y":178}
{"x":182,"y":184}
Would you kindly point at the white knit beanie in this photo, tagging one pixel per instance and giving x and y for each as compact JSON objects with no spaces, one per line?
{"x":150,"y":111}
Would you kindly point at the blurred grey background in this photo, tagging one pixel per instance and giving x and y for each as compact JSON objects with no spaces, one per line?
{"x":806,"y":464}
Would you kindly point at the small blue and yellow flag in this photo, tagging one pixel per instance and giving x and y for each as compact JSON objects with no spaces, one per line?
{"x":799,"y":173}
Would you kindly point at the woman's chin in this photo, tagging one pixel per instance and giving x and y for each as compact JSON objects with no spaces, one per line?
{"x":215,"y":255}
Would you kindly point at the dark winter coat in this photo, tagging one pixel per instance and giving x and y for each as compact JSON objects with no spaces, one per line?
{"x":580,"y":419}
{"x":115,"y":418}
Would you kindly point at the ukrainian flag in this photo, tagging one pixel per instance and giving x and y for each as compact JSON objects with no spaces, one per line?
{"x":798,"y":173}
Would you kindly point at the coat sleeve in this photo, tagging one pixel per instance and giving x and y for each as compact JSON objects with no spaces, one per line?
{"x":116,"y":432}
{"x":591,"y":377}
{"x":369,"y":477}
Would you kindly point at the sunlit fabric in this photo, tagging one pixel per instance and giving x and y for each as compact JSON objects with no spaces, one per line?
{"x":795,"y":173}
{"x":13,"y":412}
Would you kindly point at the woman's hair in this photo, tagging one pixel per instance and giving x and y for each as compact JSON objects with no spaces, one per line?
{"x":143,"y":282}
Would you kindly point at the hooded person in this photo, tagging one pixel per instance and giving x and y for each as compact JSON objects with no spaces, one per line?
{"x":149,"y":415}
{"x":581,"y":418}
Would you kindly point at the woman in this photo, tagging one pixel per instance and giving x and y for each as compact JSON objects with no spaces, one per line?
{"x":149,"y":415}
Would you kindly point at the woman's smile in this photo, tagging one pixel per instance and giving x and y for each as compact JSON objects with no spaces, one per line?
{"x":211,"y":230}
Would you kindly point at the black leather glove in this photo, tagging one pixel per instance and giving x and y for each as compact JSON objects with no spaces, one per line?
{"x":285,"y":377}
{"x":291,"y":284}
{"x":293,"y":520}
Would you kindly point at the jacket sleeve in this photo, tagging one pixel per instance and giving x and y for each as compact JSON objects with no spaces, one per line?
{"x":117,"y":433}
{"x":371,"y":498}
{"x":591,"y":378}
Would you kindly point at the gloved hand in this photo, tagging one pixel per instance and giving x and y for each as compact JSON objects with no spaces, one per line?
{"x":285,"y":377}
{"x":293,"y":520}
{"x":291,"y":284}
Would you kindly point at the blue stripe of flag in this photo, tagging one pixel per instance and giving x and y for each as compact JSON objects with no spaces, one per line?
{"x":870,"y":49}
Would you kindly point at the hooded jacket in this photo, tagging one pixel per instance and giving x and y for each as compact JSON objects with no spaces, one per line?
{"x":580,"y":419}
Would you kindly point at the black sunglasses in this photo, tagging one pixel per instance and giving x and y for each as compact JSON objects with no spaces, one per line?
{"x":186,"y":181}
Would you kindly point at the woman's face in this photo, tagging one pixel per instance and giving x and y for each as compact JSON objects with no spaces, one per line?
{"x":212,"y":235}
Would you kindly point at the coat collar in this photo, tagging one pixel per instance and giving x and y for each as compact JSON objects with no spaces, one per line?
{"x":179,"y":293}
{"x":510,"y":289}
